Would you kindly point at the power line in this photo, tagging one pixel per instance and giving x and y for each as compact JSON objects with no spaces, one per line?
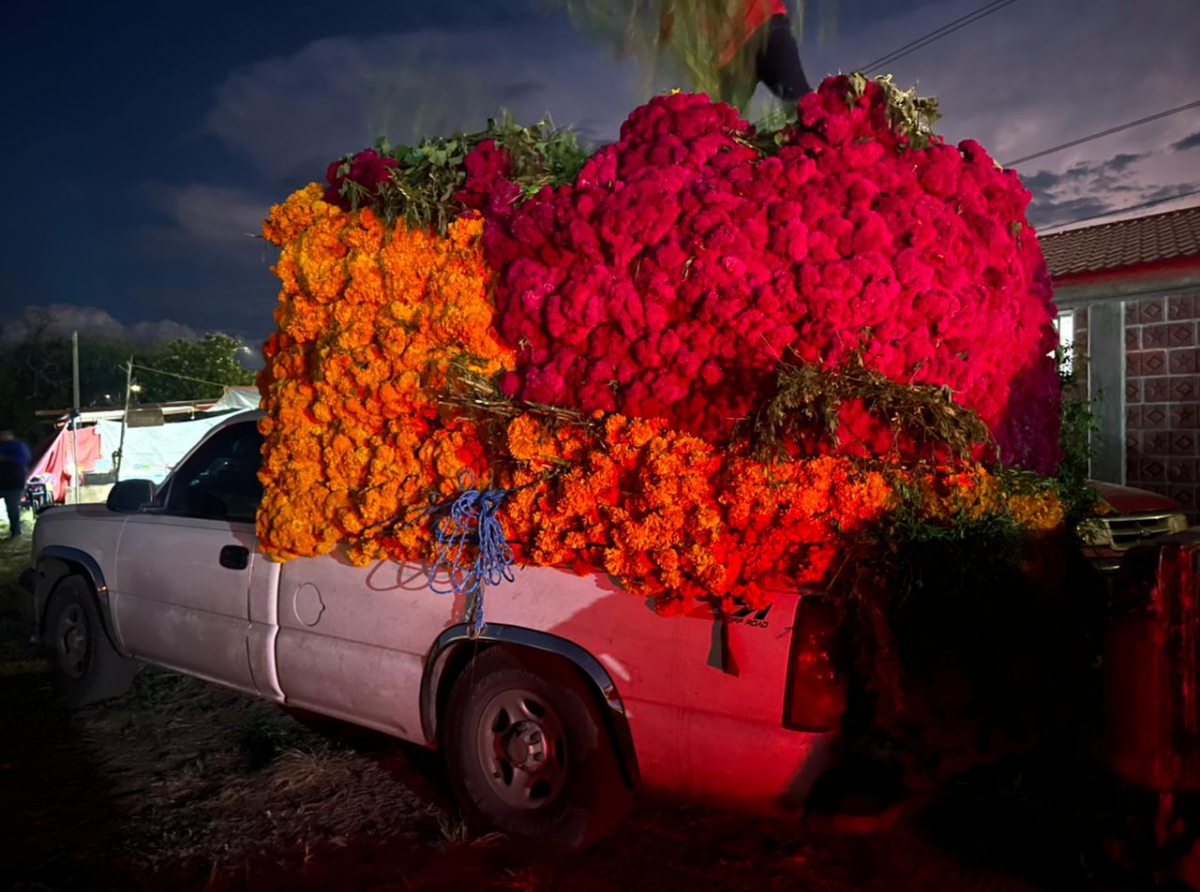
{"x":146,"y":368}
{"x":937,"y":34}
{"x":1102,"y":133}
{"x":1132,"y":207}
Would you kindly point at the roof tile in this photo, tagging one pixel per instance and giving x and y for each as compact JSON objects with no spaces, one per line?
{"x":1123,"y":243}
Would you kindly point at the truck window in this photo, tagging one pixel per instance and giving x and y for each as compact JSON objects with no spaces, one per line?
{"x":220,"y":481}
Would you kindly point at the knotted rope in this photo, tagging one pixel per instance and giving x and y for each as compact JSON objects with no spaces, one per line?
{"x":469,"y":519}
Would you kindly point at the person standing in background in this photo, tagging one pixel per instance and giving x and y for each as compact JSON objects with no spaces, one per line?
{"x":15,"y":461}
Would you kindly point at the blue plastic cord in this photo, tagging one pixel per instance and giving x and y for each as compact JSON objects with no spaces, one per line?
{"x":471,"y":519}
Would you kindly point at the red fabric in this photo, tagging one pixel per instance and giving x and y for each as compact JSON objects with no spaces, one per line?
{"x":58,"y":463}
{"x":755,"y":14}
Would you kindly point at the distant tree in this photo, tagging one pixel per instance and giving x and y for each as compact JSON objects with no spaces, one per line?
{"x":188,"y":370}
{"x":101,"y":370}
{"x":37,"y":374}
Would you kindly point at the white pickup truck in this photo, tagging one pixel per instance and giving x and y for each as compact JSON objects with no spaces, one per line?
{"x":576,"y":695}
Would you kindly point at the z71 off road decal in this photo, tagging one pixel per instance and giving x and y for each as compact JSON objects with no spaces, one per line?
{"x":748,"y":616}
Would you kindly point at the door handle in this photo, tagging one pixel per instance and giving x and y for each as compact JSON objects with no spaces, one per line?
{"x":235,"y":557}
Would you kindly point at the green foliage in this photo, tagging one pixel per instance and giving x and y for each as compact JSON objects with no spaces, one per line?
{"x":1080,"y":426}
{"x":187,"y":370}
{"x":37,"y":374}
{"x":428,"y":176}
{"x":910,"y":115}
{"x":776,"y":118}
{"x":959,"y":630}
{"x":1078,"y":437}
{"x":808,"y":399}
{"x":924,"y":562}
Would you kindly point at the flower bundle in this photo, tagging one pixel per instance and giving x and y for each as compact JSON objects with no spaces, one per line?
{"x":671,"y":277}
{"x":649,"y":301}
{"x":369,"y":329}
{"x":674,"y":517}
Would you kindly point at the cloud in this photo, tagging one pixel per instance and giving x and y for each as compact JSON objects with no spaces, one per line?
{"x":59,"y":320}
{"x":1085,"y":189}
{"x":1191,"y":141}
{"x":1123,"y":160}
{"x":206,"y":257}
{"x":217,"y":227}
{"x":1163,"y":193}
{"x":1056,"y":213}
{"x":217,"y":213}
{"x":291,"y":115}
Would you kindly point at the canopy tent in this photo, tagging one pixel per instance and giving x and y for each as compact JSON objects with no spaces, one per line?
{"x":149,"y":453}
{"x":237,"y":399}
{"x":57,"y":464}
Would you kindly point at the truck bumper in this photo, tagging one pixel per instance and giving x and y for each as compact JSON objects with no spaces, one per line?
{"x":728,"y":761}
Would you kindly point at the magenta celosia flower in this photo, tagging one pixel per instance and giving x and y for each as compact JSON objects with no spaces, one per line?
{"x":681,"y":267}
{"x":367,"y":168}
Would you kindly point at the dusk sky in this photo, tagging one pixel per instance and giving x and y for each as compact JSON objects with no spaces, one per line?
{"x":147,"y":141}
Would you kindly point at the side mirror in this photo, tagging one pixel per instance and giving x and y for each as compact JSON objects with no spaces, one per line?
{"x":129,"y":496}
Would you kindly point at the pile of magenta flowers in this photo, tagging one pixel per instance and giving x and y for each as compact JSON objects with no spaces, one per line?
{"x":684,"y":262}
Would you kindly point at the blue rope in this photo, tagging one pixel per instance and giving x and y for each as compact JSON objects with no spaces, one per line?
{"x":470,"y":519}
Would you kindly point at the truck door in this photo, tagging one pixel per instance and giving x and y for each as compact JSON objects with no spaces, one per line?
{"x":184,"y":566}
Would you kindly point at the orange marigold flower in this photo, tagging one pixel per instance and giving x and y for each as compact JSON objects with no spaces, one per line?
{"x":369,"y":331}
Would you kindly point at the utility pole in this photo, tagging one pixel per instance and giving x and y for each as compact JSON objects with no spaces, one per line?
{"x":124,"y":418}
{"x":75,"y":368}
{"x":75,"y":412}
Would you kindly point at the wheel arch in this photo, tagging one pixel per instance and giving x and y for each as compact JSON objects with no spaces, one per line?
{"x":57,"y":562}
{"x":454,"y":650}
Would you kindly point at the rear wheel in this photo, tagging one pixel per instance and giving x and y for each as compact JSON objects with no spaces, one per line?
{"x":528,"y":752}
{"x":85,"y":665}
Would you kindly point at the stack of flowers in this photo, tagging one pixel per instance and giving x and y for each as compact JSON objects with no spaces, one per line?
{"x":670,"y":279}
{"x":593,"y":344}
{"x":370,"y":325}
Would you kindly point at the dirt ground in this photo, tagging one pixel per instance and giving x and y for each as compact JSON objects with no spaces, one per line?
{"x":182,"y":785}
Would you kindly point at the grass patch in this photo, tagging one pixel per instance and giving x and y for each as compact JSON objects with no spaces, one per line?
{"x":8,"y":669}
{"x":15,"y":602}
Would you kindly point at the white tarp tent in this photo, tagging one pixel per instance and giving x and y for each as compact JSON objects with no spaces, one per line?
{"x":149,"y":453}
{"x":237,"y":399}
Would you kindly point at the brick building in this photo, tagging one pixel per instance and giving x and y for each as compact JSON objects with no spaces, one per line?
{"x":1129,"y":294}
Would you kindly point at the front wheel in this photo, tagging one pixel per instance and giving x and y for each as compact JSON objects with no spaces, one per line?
{"x":528,"y":752}
{"x":85,"y":665}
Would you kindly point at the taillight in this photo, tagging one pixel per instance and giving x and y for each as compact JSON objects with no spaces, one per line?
{"x":816,"y":692}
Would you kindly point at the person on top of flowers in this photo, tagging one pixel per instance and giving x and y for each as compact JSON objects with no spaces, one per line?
{"x":753,"y":43}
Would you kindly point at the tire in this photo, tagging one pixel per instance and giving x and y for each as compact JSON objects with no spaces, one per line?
{"x":528,"y":752}
{"x":86,"y":667}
